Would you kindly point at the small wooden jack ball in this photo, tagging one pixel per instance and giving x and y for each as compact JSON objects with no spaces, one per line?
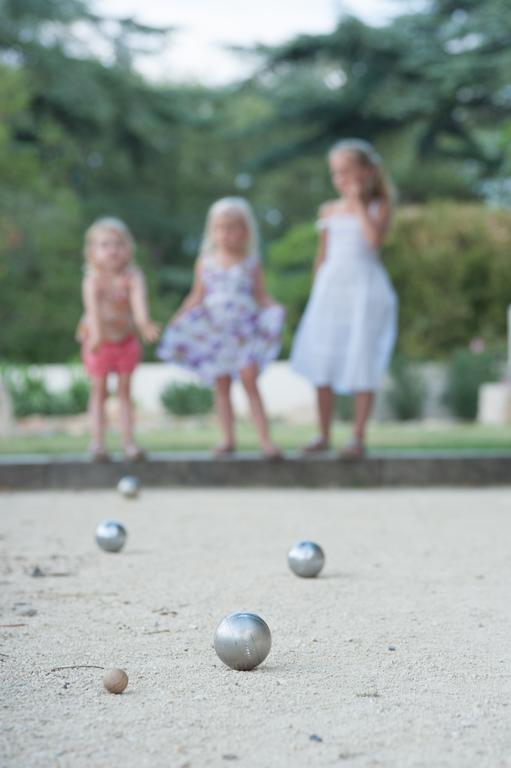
{"x":115,"y":680}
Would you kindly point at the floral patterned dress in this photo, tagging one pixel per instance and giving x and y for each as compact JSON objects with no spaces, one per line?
{"x":229,"y":330}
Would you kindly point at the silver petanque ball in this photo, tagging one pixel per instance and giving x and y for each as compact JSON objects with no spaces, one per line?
{"x":111,"y":536}
{"x":306,"y":559}
{"x":129,"y":486}
{"x":242,"y":640}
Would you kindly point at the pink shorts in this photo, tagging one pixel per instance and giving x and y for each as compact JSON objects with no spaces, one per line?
{"x":112,"y":357}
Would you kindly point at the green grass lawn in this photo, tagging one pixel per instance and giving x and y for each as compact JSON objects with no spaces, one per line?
{"x":203,"y":436}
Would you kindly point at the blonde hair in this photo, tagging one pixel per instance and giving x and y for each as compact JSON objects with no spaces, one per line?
{"x":114,"y":225}
{"x":367,"y":157}
{"x":240,"y":208}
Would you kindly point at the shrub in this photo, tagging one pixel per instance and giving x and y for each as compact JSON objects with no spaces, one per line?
{"x":30,"y":395}
{"x":79,"y":391}
{"x":187,"y":399}
{"x":289,"y":274}
{"x":466,"y":372}
{"x":343,"y":407}
{"x":28,"y":392}
{"x":407,"y":392}
{"x":450,"y":265}
{"x":73,"y":400}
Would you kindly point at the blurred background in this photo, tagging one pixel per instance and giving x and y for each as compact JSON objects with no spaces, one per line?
{"x":151,"y":113}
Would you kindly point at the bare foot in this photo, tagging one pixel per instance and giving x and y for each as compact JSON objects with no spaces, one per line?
{"x":317,"y":446}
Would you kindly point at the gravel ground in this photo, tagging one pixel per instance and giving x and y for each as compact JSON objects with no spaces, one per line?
{"x":398,"y":655}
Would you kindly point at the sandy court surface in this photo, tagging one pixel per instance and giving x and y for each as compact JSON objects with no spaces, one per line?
{"x":399,"y":655}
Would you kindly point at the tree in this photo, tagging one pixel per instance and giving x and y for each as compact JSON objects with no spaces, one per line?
{"x":429,"y":88}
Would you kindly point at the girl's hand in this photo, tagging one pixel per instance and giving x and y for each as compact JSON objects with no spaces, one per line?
{"x":150,"y":331}
{"x":94,"y":341}
{"x":267,"y":301}
{"x":356,"y":190}
{"x":181,"y":311}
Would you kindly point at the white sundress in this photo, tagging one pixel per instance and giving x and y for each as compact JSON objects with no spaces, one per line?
{"x":348,"y":330}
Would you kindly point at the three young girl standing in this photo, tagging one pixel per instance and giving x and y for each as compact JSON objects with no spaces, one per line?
{"x":229,"y":326}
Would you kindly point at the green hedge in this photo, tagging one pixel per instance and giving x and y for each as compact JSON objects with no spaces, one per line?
{"x":187,"y":399}
{"x":450,"y":264}
{"x":289,"y":274}
{"x":466,"y":372}
{"x":408,"y":391}
{"x":451,"y":267}
{"x":30,"y":395}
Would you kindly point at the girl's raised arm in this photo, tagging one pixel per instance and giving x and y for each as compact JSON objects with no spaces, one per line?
{"x":375,"y":223}
{"x":261,"y":295}
{"x":149,"y":330}
{"x":323,"y":213}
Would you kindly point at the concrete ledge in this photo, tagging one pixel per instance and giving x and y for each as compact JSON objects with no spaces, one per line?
{"x":199,"y":470}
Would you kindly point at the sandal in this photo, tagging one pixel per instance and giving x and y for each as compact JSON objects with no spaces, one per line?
{"x":273,"y":454}
{"x":317,"y":446}
{"x":100,"y":456}
{"x":223,"y":451}
{"x":354,"y":450}
{"x":134,"y":453}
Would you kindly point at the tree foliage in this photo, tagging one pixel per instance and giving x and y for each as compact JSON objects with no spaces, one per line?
{"x":431,"y":89}
{"x":82,"y":134}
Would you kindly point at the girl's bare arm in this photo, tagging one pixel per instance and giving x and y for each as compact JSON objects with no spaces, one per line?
{"x":324,"y":211}
{"x":375,"y":224}
{"x":90,"y":302}
{"x":321,"y":250}
{"x":149,"y":330}
{"x":196,"y":295}
{"x":261,"y":295}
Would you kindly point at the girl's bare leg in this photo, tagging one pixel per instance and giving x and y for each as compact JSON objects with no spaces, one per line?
{"x":225,"y":414}
{"x":325,"y":411}
{"x":248,"y":378}
{"x":363,"y":406}
{"x":126,"y":416}
{"x":325,"y":401}
{"x":98,"y":395}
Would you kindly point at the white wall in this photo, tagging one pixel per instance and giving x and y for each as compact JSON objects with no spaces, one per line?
{"x":286,"y":394}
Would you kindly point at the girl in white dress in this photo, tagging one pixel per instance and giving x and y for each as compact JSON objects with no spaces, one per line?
{"x":346,"y":336}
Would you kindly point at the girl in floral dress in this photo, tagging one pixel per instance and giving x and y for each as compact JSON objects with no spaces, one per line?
{"x":228,"y":325}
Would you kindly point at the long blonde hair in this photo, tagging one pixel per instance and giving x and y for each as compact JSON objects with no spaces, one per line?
{"x":114,"y":225}
{"x":366,"y":156}
{"x":237,"y":206}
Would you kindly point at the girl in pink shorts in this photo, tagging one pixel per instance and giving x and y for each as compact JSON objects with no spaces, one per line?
{"x":115,"y":308}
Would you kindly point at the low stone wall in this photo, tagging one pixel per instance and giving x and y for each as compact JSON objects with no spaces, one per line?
{"x":199,"y":470}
